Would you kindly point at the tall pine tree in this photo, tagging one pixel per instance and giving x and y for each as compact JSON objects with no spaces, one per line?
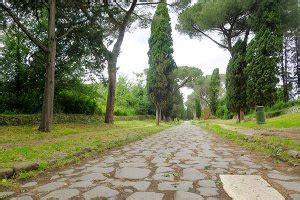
{"x":236,"y":97}
{"x":214,"y":89}
{"x":263,"y":53}
{"x":160,"y":80}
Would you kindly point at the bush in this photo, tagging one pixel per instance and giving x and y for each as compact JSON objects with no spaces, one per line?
{"x":72,"y":103}
{"x":223,"y":112}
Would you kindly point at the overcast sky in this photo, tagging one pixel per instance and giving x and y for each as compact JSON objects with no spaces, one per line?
{"x":203,"y":53}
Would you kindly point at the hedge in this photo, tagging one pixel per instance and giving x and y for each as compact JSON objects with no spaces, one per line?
{"x":17,"y":120}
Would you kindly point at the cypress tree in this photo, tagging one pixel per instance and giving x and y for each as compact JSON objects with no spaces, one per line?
{"x":198,"y":108}
{"x":214,"y":89}
{"x":236,"y":80}
{"x":160,"y":80}
{"x":263,"y":54}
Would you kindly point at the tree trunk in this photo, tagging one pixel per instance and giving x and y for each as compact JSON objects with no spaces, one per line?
{"x":47,"y":109}
{"x":242,"y":115}
{"x":112,"y":77}
{"x":157,"y":115}
{"x":238,"y":117}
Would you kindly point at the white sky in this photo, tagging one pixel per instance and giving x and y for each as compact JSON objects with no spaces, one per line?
{"x":203,"y":53}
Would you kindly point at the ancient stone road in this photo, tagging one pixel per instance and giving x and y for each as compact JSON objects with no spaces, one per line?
{"x":182,"y":163}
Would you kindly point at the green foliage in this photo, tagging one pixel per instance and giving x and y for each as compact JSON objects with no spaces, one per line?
{"x":236,"y":79}
{"x":262,"y":70}
{"x":222,"y":110}
{"x":216,"y":16}
{"x":198,"y":108}
{"x":214,"y":89}
{"x":160,"y":79}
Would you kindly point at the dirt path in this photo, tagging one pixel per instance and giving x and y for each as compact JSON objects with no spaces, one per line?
{"x":183,"y":162}
{"x":292,"y":133}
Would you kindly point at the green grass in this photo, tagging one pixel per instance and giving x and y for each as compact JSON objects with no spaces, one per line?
{"x":26,"y":144}
{"x":273,"y":146}
{"x":283,"y":121}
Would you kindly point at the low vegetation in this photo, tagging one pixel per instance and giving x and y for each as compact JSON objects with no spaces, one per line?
{"x":24,"y":143}
{"x":283,"y":121}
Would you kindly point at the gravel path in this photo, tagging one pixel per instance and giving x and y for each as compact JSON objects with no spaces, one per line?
{"x":180,"y":163}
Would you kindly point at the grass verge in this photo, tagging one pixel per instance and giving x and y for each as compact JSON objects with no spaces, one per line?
{"x":273,"y":146}
{"x":65,"y":141}
{"x":283,"y":121}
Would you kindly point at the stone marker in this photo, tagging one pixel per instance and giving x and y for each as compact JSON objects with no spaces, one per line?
{"x":249,"y":187}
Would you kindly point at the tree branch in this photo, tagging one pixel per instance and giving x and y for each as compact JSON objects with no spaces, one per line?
{"x":203,"y":33}
{"x":110,"y":15}
{"x":24,"y":29}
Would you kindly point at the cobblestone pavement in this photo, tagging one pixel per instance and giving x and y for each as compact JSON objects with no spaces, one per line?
{"x":182,"y":163}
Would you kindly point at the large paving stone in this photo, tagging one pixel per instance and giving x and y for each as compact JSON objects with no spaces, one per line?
{"x":164,"y":176}
{"x":25,"y":197}
{"x":182,"y":186}
{"x":163,"y":169}
{"x":181,"y":195}
{"x":64,"y":194}
{"x":141,"y":185}
{"x":29,"y":184}
{"x":289,"y":185}
{"x":208,"y":191}
{"x":295,"y":196}
{"x":207,"y":183}
{"x":25,"y":166}
{"x":132,"y":173}
{"x":81,"y":184}
{"x":92,"y":177}
{"x":6,"y":172}
{"x":249,"y":187}
{"x":100,"y":192}
{"x":50,"y":186}
{"x":4,"y":195}
{"x":192,"y":174}
{"x":145,"y":196}
{"x":279,"y":176}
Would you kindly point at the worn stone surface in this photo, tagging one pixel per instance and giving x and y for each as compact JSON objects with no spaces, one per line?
{"x":5,"y":194}
{"x":183,"y":185}
{"x":182,"y":162}
{"x":64,"y":194}
{"x":249,"y":187}
{"x":132,"y":173}
{"x":290,"y":185}
{"x":6,"y":172}
{"x":180,"y":195}
{"x":25,"y":166}
{"x":146,"y":196}
{"x":29,"y":184}
{"x":99,"y":192}
{"x":50,"y":186}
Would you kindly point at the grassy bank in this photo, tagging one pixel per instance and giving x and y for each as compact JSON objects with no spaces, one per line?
{"x":274,"y":146}
{"x":283,"y":121}
{"x":24,"y":143}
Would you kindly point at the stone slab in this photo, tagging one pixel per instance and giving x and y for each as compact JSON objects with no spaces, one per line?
{"x":145,"y":196}
{"x":249,"y":187}
{"x":181,"y":195}
{"x":132,"y":173}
